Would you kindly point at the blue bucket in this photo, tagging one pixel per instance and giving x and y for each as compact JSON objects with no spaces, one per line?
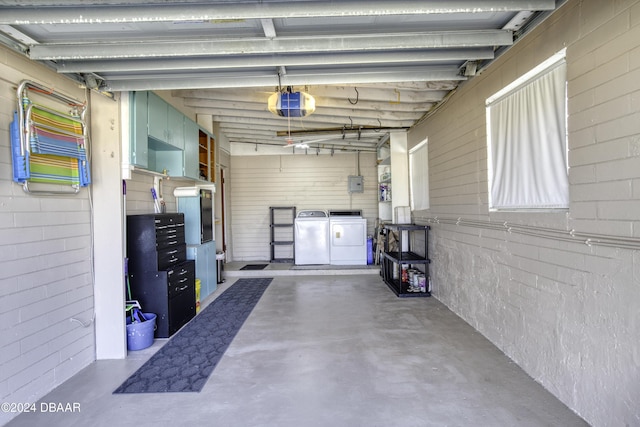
{"x":369,"y":250}
{"x":140,"y":334}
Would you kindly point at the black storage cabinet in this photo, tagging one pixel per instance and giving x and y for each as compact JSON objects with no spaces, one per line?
{"x":160,"y":276}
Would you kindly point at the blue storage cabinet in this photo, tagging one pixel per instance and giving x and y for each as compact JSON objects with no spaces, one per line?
{"x":203,"y":253}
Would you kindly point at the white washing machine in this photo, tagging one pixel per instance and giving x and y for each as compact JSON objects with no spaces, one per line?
{"x":311,"y":237}
{"x":348,"y":237}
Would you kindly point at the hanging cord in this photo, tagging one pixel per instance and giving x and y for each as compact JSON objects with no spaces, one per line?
{"x":87,"y":130}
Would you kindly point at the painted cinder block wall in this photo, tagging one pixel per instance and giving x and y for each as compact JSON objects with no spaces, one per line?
{"x":566,"y":311}
{"x":45,"y":265}
{"x":303,"y":181}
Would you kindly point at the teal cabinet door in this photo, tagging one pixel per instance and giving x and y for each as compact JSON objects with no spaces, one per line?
{"x":169,"y":162}
{"x":206,"y":268}
{"x":158,"y":115}
{"x":191,"y":166}
{"x":175,"y":127}
{"x":139,"y":142}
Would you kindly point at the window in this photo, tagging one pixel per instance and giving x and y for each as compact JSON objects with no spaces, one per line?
{"x":527,"y":140}
{"x":419,"y":176}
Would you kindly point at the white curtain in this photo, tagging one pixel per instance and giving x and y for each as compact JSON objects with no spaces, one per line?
{"x":419,"y":176}
{"x":527,"y":144}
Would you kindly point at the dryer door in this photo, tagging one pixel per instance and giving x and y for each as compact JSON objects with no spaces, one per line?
{"x":349,"y":241}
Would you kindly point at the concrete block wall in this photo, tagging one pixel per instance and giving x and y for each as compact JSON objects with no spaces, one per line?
{"x":566,"y":311}
{"x":303,"y":181}
{"x":46,"y":289}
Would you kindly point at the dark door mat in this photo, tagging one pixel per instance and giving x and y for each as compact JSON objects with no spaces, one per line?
{"x":186,"y":361}
{"x":254,"y":267}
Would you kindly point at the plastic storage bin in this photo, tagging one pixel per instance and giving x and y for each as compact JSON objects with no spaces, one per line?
{"x":140,"y":334}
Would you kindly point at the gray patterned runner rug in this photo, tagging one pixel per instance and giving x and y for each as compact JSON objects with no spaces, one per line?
{"x":185,"y":362}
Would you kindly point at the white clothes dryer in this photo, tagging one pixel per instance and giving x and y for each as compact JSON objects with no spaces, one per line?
{"x":348,"y":237}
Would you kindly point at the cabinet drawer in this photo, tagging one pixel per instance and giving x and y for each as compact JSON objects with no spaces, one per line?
{"x":169,"y":257}
{"x":180,"y":278}
{"x":169,"y":236}
{"x":181,"y":285}
{"x":163,"y":220}
{"x":179,"y":271}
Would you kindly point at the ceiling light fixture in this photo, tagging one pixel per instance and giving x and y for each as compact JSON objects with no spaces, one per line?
{"x":291,"y":104}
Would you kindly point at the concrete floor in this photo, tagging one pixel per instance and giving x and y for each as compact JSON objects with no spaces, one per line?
{"x":329,"y":350}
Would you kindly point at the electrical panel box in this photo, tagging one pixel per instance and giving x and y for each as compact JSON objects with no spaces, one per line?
{"x":356,"y":184}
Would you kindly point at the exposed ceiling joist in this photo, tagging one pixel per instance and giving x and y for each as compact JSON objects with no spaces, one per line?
{"x":355,"y":139}
{"x":63,"y":12}
{"x":327,"y":145}
{"x":383,"y":93}
{"x":377,"y":97}
{"x":255,"y":46}
{"x":322,"y":114}
{"x":207,"y":80}
{"x":339,"y":131}
{"x":307,"y":123}
{"x":343,"y":106}
{"x":275,"y":60}
{"x":318,"y":119}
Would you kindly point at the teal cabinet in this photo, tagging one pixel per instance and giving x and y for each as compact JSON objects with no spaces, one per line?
{"x":204,"y":254}
{"x":162,"y":139}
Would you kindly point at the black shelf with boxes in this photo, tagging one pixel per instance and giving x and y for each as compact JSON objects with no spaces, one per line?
{"x":400,"y":265}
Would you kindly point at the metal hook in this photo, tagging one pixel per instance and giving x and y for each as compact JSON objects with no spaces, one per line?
{"x":379,"y":126}
{"x":357,"y":97}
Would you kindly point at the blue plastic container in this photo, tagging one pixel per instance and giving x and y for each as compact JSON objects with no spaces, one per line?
{"x":369,"y":250}
{"x":140,"y":334}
